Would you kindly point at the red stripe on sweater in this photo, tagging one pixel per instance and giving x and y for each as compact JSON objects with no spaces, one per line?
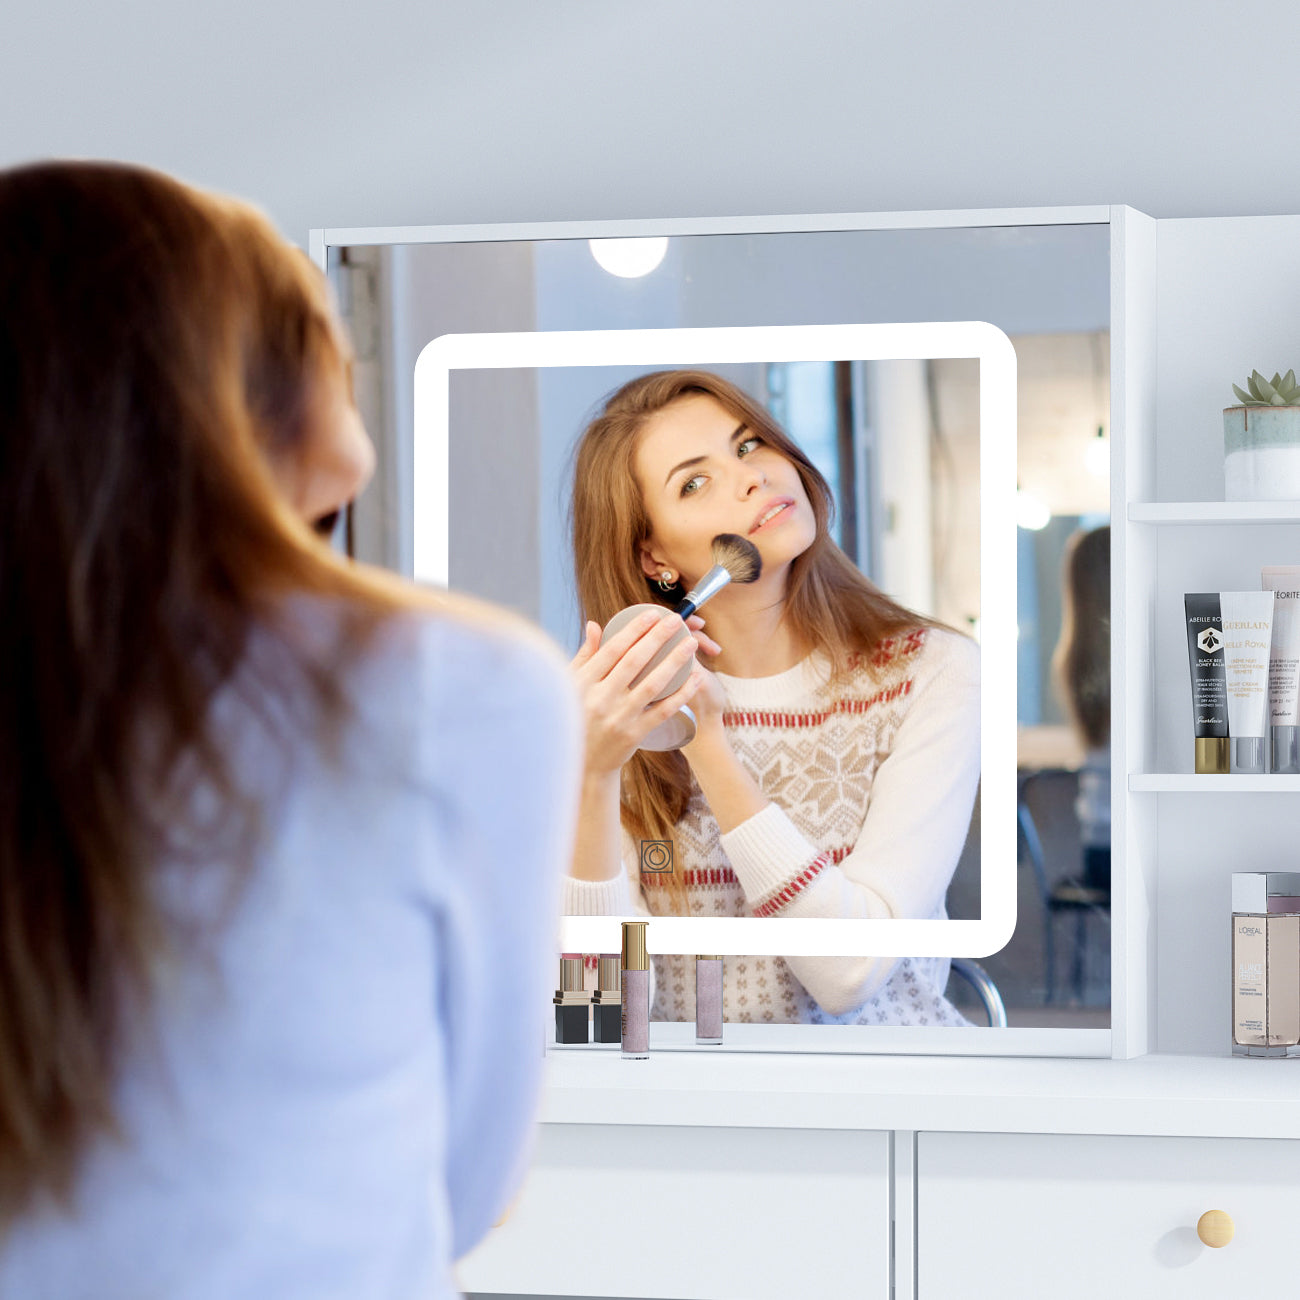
{"x":777,"y":900}
{"x":715,"y":877}
{"x":764,"y":719}
{"x":702,"y":877}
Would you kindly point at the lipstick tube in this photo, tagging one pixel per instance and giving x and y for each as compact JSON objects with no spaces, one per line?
{"x":607,"y":1001}
{"x":635,"y":1020}
{"x":708,"y":999}
{"x":571,"y":1001}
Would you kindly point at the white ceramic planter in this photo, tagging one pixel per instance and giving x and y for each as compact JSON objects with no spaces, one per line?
{"x":1261,"y":453}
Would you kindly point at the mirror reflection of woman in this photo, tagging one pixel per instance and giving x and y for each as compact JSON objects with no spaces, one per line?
{"x":1081,"y":673}
{"x":834,"y":768}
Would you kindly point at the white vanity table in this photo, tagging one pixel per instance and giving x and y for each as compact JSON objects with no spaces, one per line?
{"x":764,"y":1175}
{"x":756,"y":1175}
{"x":751,"y":1174}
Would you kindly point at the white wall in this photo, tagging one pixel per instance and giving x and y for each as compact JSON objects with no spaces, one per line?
{"x":402,"y":111}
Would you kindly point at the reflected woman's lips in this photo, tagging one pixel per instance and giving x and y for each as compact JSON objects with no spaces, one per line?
{"x":773,"y":512}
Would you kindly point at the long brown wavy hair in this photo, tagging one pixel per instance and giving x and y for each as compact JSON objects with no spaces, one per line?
{"x":830,"y":603}
{"x":156,"y":342}
{"x":1081,"y":660}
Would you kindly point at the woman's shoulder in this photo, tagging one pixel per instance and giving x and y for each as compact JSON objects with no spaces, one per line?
{"x":463,"y":655}
{"x":924,"y":652}
{"x":950,"y":651}
{"x":445,"y":663}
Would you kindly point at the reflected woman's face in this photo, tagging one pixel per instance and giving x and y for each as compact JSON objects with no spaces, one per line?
{"x":702,"y":472}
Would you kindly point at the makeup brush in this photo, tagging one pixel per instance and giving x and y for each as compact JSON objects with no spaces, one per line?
{"x":734,"y":560}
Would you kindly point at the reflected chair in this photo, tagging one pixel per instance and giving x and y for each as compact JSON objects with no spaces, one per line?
{"x":985,"y":989}
{"x":1049,"y":842}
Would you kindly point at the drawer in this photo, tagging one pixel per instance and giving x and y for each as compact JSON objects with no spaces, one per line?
{"x":1029,"y":1215}
{"x":706,"y":1213}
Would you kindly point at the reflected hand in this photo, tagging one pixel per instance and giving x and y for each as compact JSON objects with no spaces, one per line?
{"x":708,"y":703}
{"x":619,"y":715}
{"x":706,"y":643}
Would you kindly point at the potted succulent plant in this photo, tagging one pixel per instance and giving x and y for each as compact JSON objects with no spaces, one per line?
{"x":1261,"y":440}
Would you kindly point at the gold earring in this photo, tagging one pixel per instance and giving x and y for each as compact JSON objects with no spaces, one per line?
{"x":666,"y":580}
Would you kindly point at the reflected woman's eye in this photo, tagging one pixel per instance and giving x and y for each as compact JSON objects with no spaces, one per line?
{"x":691,"y":485}
{"x":748,"y":445}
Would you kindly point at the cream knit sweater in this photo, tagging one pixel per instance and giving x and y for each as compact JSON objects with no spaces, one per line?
{"x":871,"y":789}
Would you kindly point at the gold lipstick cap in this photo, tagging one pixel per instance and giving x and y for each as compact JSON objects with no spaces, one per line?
{"x":634,"y":947}
{"x":707,"y":957}
{"x":610,"y":980}
{"x":572,"y":979}
{"x":1212,"y":755}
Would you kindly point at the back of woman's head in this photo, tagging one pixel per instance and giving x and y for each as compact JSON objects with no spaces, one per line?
{"x":1081,"y":661}
{"x":158,"y":351}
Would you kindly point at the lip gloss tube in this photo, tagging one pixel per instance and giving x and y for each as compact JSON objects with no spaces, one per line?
{"x":708,"y":999}
{"x":607,"y":1001}
{"x":635,"y":1020}
{"x":571,"y":1001}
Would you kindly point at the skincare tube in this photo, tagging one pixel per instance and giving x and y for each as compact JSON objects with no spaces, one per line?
{"x":1284,"y":666}
{"x":708,"y":999}
{"x":607,"y":1001}
{"x":1209,"y":681}
{"x":636,"y":992}
{"x":1247,"y":638}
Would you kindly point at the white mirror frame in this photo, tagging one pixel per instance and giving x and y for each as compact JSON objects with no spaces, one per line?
{"x":858,"y":1039}
{"x":787,"y":936}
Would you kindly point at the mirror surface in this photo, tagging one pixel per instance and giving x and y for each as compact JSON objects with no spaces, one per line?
{"x":898,"y":440}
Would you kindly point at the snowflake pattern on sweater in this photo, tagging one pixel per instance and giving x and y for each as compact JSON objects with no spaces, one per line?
{"x":816,"y":759}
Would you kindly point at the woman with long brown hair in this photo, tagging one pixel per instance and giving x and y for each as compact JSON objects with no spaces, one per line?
{"x":834,"y":767}
{"x":273,"y":960}
{"x":1081,"y":674}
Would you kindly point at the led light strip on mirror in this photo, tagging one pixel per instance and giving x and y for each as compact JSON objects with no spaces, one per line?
{"x":717,"y":346}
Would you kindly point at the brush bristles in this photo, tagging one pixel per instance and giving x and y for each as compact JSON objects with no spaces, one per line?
{"x":738,"y":556}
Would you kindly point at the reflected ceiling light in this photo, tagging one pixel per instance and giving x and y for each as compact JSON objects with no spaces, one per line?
{"x":1031,"y":513}
{"x":1097,"y":455}
{"x":629,"y":258}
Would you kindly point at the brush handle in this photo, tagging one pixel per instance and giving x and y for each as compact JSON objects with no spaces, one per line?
{"x":707,"y":587}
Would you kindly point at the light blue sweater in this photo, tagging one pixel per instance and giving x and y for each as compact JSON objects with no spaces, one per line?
{"x":334,"y":1094}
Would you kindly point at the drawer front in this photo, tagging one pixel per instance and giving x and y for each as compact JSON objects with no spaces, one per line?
{"x":705,"y":1213}
{"x":1032,"y":1215}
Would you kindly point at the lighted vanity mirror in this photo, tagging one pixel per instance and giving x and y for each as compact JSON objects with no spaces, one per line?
{"x":877,"y":344}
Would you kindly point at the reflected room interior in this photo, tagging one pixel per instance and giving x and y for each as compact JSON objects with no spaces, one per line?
{"x":897,"y":440}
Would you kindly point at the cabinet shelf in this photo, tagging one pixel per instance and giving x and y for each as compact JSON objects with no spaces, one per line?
{"x":1192,"y":783}
{"x":1214,"y":512}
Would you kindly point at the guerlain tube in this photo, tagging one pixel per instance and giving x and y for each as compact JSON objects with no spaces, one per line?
{"x":1265,"y":962}
{"x":635,"y":1023}
{"x":1284,"y":666}
{"x":1247,"y":638}
{"x":708,"y":999}
{"x":607,"y":1001}
{"x":571,"y":1001}
{"x":1209,"y":681}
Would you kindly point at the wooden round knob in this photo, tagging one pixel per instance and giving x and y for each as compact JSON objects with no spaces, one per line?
{"x":1215,"y":1228}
